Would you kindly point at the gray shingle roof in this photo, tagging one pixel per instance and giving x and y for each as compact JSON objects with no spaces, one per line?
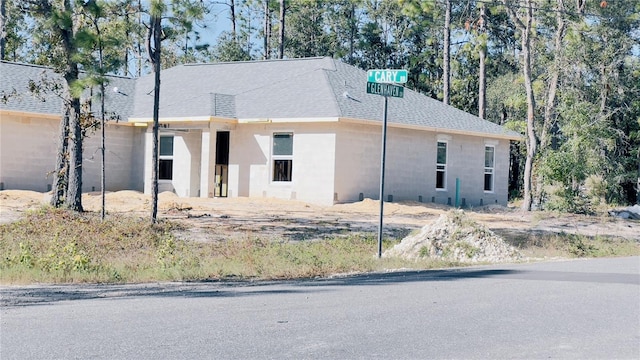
{"x":413,"y":109}
{"x":262,"y":89}
{"x":14,"y":84}
{"x":297,"y":88}
{"x":293,"y":88}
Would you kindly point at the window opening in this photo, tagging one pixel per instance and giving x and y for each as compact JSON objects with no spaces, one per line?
{"x":165,"y":166}
{"x":282,"y":156}
{"x":489,"y":159}
{"x":441,"y":166}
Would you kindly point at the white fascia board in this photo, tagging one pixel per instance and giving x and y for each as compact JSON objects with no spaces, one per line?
{"x":432,"y":129}
{"x":56,"y":117}
{"x":287,"y":120}
{"x":30,"y":114}
{"x":173,"y":119}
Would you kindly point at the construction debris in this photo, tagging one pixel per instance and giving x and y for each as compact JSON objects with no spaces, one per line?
{"x":454,"y":236}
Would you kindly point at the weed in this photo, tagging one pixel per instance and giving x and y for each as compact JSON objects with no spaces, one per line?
{"x":53,"y":245}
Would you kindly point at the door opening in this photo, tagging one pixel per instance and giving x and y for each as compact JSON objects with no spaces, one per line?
{"x":221,"y":188}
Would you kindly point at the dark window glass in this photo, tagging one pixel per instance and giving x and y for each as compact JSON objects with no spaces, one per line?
{"x":282,"y":170}
{"x":488,"y":182}
{"x":165,"y":169}
{"x":441,"y":178}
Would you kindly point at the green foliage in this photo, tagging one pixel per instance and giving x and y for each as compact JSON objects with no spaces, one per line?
{"x":228,"y":49}
{"x":593,"y":122}
{"x":53,"y":245}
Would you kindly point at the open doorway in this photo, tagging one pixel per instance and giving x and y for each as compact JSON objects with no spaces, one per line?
{"x":221,"y":188}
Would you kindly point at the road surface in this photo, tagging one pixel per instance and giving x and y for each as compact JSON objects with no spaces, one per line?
{"x":579,"y":309}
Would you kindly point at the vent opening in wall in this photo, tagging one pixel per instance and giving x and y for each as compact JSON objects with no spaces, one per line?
{"x":419,"y":198}
{"x":390,"y":198}
{"x":449,"y":201}
{"x":360,"y":196}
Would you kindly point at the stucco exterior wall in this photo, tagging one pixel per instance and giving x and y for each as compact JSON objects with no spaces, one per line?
{"x":250,"y":160}
{"x":410,"y":166}
{"x":28,"y":147}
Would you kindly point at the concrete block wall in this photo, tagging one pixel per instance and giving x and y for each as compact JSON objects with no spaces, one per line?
{"x":186,"y":162}
{"x":466,"y":163}
{"x":121,"y":157}
{"x":187,"y":149}
{"x":411,"y":166}
{"x":358,"y":163}
{"x":28,"y":148}
{"x":250,"y":162}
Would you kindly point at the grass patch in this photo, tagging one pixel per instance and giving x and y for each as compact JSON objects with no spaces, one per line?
{"x":57,"y":246}
{"x":565,"y":245}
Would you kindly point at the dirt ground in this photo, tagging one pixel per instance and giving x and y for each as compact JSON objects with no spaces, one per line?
{"x":211,"y":219}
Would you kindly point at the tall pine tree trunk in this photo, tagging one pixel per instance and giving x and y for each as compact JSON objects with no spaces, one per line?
{"x":3,"y":29}
{"x":74,"y":193}
{"x":61,"y":173}
{"x":154,"y":40}
{"x":232,"y":16}
{"x":283,"y":11}
{"x":267,"y":30}
{"x":526,"y":29}
{"x":446,"y":61}
{"x":550,"y":105}
{"x":482,"y":70}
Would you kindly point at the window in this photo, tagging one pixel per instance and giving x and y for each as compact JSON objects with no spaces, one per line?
{"x":489,"y":157}
{"x":282,"y":156}
{"x":165,"y":168}
{"x":441,"y":166}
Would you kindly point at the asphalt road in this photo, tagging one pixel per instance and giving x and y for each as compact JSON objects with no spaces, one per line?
{"x":578,"y":309}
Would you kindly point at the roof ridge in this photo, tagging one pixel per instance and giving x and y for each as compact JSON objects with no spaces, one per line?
{"x":285,"y":79}
{"x":256,"y":61}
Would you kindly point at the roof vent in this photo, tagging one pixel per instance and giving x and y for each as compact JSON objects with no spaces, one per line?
{"x":348,"y":96}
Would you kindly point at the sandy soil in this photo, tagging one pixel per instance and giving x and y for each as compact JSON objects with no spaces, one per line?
{"x":211,"y":219}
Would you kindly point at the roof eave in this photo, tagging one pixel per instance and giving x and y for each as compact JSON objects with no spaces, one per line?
{"x":432,"y":129}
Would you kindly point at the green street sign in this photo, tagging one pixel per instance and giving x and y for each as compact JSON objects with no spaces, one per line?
{"x":387,"y":76}
{"x":385,"y":89}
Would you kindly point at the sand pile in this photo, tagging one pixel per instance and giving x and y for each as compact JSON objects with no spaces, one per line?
{"x":455,"y":237}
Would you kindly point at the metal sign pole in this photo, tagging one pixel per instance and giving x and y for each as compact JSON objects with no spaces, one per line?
{"x":382,"y":157}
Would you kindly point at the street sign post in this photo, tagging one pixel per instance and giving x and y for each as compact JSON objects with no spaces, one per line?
{"x":387,"y":76}
{"x":382,"y":82}
{"x":385,"y":89}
